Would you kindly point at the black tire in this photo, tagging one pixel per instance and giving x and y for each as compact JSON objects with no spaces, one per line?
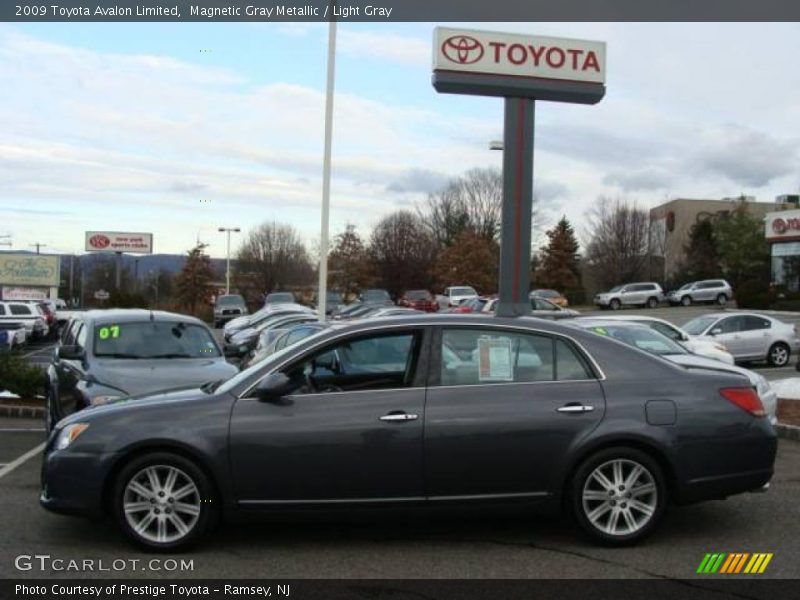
{"x":652,"y":303}
{"x":656,"y":502}
{"x":722,"y":299}
{"x":686,"y":301}
{"x":614,"y":304}
{"x":204,"y":499}
{"x":778,"y":355}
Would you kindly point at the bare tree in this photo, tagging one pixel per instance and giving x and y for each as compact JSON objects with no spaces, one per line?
{"x":402,"y":252}
{"x":273,"y":256}
{"x":618,"y":242}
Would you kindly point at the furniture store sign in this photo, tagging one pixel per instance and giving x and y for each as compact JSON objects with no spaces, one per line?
{"x":29,"y":270}
{"x":518,"y":55}
{"x":119,"y":241}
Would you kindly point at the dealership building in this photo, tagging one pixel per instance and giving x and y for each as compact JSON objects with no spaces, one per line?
{"x":782,"y":231}
{"x":672,"y":221}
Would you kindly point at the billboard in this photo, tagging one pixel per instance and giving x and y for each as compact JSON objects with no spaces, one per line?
{"x":36,"y":270}
{"x":119,"y":241}
{"x":783,"y":226}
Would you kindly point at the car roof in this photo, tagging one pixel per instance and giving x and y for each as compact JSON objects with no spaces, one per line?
{"x":602,"y":322}
{"x":130,"y":315}
{"x":623,"y":318}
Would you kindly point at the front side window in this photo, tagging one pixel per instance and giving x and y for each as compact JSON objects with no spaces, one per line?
{"x":479,"y":356}
{"x":374,"y":362}
{"x":540,"y":304}
{"x":698,"y":325}
{"x":2,"y":309}
{"x":668,"y":331}
{"x":731,"y":325}
{"x":153,"y":339}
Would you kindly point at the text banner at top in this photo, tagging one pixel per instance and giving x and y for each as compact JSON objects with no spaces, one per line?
{"x":399,"y":10}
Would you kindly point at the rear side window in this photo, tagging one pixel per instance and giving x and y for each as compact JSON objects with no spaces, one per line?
{"x":478,"y":356}
{"x":20,"y":309}
{"x":2,"y":309}
{"x":751,"y":323}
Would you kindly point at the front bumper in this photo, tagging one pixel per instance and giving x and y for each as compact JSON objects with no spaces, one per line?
{"x":72,"y":483}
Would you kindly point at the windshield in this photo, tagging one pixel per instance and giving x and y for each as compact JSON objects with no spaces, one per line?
{"x":686,"y":286}
{"x":244,"y":375}
{"x":230,"y":301}
{"x":698,"y":325}
{"x":546,"y":293}
{"x":283,"y":297}
{"x":375,"y":295}
{"x":153,"y":339}
{"x":418,"y":295}
{"x":462,"y":291}
{"x":616,"y":288}
{"x":640,"y":337}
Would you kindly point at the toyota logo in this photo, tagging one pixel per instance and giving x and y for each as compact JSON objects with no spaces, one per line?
{"x":99,"y":241}
{"x":780,"y":226}
{"x":462,"y":49}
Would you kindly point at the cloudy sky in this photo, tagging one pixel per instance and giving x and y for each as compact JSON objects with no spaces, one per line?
{"x":178,"y":129}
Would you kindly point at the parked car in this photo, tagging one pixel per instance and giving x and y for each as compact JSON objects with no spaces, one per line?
{"x":250,"y":321}
{"x":376,"y":297}
{"x":287,"y":337}
{"x":110,"y":355}
{"x":708,"y":348}
{"x":419,"y":300}
{"x":716,"y":291}
{"x":391,"y":311}
{"x":359,"y":310}
{"x":27,"y":313}
{"x":553,"y":296}
{"x":631,"y":294}
{"x":455,"y":295}
{"x":540,"y":307}
{"x":748,"y":336}
{"x":280,"y":298}
{"x":470,"y":305}
{"x":380,"y":413}
{"x":228,"y":307}
{"x":12,"y":335}
{"x":244,"y":342}
{"x":649,"y":340}
{"x":333,"y":300}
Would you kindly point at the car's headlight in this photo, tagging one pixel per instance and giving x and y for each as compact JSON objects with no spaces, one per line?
{"x":69,"y":434}
{"x":101,"y":400}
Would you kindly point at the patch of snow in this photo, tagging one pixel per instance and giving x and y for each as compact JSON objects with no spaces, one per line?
{"x":787,"y":389}
{"x":7,"y":394}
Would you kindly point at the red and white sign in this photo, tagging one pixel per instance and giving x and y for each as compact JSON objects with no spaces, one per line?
{"x":783,"y":226}
{"x":117,"y":241}
{"x":24,"y":293}
{"x":518,"y":55}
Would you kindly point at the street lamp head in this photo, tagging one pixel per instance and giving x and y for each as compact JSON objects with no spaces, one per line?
{"x":236,"y":229}
{"x":221,"y":229}
{"x":495,"y":145}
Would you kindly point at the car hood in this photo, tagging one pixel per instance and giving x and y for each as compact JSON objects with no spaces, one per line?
{"x":237,"y":323}
{"x":692,"y":360}
{"x":244,"y":335}
{"x":142,"y":376}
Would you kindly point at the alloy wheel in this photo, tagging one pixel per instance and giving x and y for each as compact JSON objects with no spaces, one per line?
{"x":620,"y":497}
{"x":778,"y":355}
{"x":161,"y":504}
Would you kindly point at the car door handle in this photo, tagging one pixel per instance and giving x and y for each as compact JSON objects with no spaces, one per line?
{"x":575,"y":408}
{"x":399,"y":416}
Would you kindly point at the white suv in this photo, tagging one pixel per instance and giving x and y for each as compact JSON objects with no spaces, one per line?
{"x":631,"y":294}
{"x":27,"y":314}
{"x":457,"y":294}
{"x":710,"y":290}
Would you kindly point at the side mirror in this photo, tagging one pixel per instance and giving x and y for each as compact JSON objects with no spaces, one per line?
{"x":715,"y":331}
{"x":70,"y":352}
{"x":234,"y":350}
{"x":273,"y":387}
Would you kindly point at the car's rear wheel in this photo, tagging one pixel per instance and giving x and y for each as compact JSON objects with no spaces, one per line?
{"x":614,"y":304}
{"x":778,"y":355}
{"x":722,"y":299}
{"x":652,"y":303}
{"x":618,"y":495}
{"x":686,"y":301}
{"x":163,"y":501}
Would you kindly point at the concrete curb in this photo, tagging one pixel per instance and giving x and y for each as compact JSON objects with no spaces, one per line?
{"x":789,"y":432}
{"x":22,"y":412}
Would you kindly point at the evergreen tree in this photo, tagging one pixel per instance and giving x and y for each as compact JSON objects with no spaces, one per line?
{"x":701,"y":260}
{"x":348,"y":262}
{"x":743,"y":251}
{"x":194,"y":280}
{"x":559,"y":262}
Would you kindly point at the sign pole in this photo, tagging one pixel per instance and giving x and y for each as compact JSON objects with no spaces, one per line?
{"x":515,"y":244}
{"x":119,"y":271}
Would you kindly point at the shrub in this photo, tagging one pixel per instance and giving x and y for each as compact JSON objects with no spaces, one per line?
{"x":19,"y":377}
{"x":576,"y":297}
{"x":754,"y":294}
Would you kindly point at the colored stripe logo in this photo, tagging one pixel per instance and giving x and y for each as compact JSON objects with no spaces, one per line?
{"x":734,"y":563}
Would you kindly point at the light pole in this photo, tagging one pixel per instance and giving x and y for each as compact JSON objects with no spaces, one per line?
{"x":228,"y":230}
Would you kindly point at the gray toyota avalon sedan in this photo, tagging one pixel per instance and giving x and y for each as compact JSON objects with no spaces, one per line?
{"x":420,"y":411}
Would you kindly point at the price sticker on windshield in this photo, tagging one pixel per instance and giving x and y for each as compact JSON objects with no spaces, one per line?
{"x":111,"y":331}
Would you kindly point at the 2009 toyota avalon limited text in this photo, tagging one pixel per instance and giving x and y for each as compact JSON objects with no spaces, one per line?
{"x":420,"y":411}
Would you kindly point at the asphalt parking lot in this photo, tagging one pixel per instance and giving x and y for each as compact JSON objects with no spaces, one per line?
{"x":388,"y":545}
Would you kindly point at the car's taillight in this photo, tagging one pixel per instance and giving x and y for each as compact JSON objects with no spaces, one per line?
{"x":745,"y":398}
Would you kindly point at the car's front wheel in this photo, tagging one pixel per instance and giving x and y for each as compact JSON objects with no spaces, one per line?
{"x":618,"y":495}
{"x":686,"y":301}
{"x":778,"y":355}
{"x":163,"y":501}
